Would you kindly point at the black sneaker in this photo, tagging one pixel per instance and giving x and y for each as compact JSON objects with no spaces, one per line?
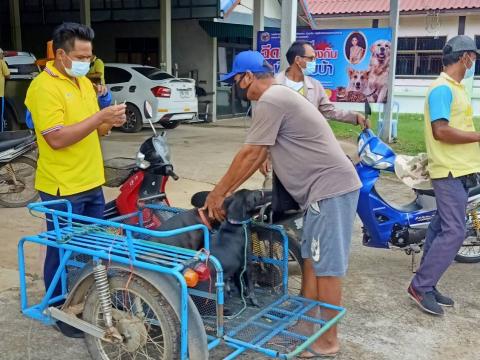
{"x":442,"y":299}
{"x":426,"y":301}
{"x":69,"y":331}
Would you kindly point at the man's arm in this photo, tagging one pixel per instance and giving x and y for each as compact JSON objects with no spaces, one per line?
{"x":65,"y":136}
{"x":447,"y":134}
{"x":330,"y":112}
{"x":245,"y":163}
{"x":439,"y":101}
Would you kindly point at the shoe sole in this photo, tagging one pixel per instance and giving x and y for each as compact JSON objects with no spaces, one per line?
{"x":445,"y":305}
{"x":422,"y":307}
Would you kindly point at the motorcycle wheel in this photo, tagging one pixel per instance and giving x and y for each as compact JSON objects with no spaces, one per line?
{"x":151,"y":333}
{"x":24,"y":169}
{"x":469,"y":253}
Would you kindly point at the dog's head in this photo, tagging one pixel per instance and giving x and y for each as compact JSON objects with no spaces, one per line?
{"x":243,"y":204}
{"x":381,"y":52}
{"x":358,"y":79}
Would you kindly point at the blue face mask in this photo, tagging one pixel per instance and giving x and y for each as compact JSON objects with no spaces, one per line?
{"x":78,"y":69}
{"x":470,"y":72}
{"x":311,"y":68}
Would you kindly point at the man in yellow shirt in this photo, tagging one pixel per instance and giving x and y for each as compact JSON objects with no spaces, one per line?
{"x":4,"y":74}
{"x":67,"y":122}
{"x":97,"y":71}
{"x":453,"y":163}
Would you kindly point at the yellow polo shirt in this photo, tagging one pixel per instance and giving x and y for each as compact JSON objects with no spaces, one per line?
{"x":56,"y":101}
{"x":98,"y":67}
{"x":4,"y":72}
{"x":448,"y":99}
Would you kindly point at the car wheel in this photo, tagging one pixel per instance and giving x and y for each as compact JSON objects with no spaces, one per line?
{"x":134,"y":122}
{"x":170,"y":124}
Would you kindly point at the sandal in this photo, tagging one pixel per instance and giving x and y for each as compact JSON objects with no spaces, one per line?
{"x":316,"y":355}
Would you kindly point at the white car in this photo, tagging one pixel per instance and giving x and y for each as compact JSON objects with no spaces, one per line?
{"x":23,"y":69}
{"x":173,"y":99}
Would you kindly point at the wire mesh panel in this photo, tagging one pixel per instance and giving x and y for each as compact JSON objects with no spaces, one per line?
{"x":254,"y":287}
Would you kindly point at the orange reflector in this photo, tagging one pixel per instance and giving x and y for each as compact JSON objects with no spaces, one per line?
{"x":162,"y":110}
{"x":191,"y":277}
{"x":186,"y":109}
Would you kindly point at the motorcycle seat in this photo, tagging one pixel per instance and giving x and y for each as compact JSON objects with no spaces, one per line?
{"x":11,"y":139}
{"x":428,"y":192}
{"x":473,"y":191}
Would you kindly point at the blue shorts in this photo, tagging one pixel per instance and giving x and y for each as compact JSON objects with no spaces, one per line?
{"x":327,"y":233}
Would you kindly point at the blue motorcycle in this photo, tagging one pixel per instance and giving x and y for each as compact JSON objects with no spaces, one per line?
{"x":387,"y":225}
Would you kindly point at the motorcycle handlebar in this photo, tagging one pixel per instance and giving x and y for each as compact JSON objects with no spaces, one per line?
{"x":172,"y":174}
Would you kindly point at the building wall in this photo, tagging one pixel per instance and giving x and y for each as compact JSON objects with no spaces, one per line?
{"x":194,"y":50}
{"x":273,"y":9}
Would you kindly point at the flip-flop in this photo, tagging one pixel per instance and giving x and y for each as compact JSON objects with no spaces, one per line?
{"x":317,"y":355}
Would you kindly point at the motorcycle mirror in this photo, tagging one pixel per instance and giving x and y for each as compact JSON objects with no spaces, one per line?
{"x":147,"y":108}
{"x":148,"y":111}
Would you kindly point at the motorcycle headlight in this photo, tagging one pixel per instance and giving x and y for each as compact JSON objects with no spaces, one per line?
{"x":141,"y":162}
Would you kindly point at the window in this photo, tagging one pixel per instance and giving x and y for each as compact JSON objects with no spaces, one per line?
{"x":477,"y":65}
{"x":114,"y":75}
{"x":420,"y":56}
{"x":153,"y":73}
{"x":143,"y":51}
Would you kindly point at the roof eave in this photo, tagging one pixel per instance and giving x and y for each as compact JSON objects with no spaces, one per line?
{"x":470,"y":11}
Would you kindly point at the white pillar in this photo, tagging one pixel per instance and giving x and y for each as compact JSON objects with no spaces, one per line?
{"x":15,"y":25}
{"x":258,"y":20}
{"x":213,"y":105}
{"x":85,"y":15}
{"x":288,"y":32}
{"x":386,"y":134}
{"x":166,"y":35}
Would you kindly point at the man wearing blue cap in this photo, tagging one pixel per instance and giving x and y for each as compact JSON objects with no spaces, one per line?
{"x":312,"y":167}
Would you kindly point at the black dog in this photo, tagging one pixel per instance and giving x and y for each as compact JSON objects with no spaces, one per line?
{"x":227,"y":244}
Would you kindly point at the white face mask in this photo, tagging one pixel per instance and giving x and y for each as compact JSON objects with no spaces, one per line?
{"x":470,"y":71}
{"x":78,"y":69}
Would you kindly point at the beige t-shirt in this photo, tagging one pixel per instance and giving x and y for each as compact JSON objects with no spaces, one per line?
{"x":306,"y":156}
{"x":3,"y":73}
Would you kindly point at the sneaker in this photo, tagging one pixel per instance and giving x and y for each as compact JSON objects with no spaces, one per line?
{"x":442,"y":299}
{"x":426,"y":301}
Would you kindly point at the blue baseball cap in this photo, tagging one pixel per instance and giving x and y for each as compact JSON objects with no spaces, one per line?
{"x":247,"y":61}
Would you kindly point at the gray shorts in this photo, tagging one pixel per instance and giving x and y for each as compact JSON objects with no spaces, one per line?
{"x":327,"y":233}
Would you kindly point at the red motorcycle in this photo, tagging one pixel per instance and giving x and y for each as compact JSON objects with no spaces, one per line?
{"x":142,"y":180}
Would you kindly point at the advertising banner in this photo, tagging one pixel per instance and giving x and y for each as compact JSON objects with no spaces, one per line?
{"x":352,"y":64}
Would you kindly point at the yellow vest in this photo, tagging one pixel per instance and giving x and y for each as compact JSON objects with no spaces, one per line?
{"x":56,"y":101}
{"x":457,"y":159}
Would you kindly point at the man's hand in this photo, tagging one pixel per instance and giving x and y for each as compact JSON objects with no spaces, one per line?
{"x":364,"y":123}
{"x":266,"y":167}
{"x":214,"y":205}
{"x":101,"y":89}
{"x":114,"y":115}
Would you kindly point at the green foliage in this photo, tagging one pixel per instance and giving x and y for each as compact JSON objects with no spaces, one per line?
{"x":410,"y":132}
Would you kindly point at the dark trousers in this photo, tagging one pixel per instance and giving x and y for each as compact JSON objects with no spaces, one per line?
{"x":89,"y":203}
{"x":445,"y":234}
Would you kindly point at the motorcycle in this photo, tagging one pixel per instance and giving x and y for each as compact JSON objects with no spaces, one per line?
{"x":386,"y":225}
{"x":17,"y":170}
{"x":142,"y":180}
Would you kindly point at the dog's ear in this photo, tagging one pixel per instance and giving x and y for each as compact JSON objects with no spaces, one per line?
{"x":372,"y":48}
{"x":198,"y":199}
{"x":367,"y":73}
{"x":350,"y":72}
{"x":235,"y":207}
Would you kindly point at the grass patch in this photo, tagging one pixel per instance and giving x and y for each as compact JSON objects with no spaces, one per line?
{"x":410,"y":140}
